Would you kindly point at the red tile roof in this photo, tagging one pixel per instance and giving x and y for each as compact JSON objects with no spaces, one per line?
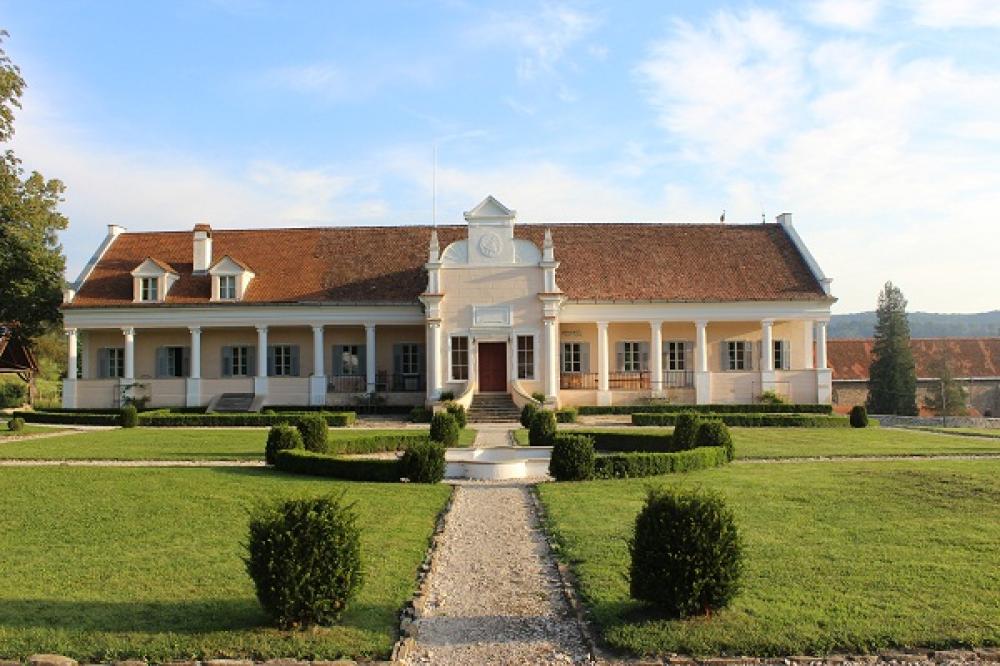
{"x":629,"y":262}
{"x":967,"y":357}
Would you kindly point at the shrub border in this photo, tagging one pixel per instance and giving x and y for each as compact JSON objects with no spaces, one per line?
{"x":753,"y":408}
{"x":638,"y":465}
{"x":749,"y":420}
{"x":300,"y":461}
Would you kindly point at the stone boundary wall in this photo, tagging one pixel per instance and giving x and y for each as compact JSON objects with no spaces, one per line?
{"x":953,"y":421}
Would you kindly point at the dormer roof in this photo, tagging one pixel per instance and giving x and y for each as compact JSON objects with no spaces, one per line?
{"x":228,"y":262}
{"x":151,"y":264}
{"x":490,"y":209}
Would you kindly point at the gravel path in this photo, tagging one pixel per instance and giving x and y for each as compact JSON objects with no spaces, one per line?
{"x":495,"y":595}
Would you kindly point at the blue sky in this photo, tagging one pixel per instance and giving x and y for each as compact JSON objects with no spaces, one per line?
{"x":875,"y":122}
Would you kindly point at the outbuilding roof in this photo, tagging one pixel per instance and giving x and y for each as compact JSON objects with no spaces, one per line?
{"x":967,"y":357}
{"x":385,"y":265}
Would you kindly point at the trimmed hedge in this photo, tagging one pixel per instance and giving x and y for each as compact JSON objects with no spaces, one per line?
{"x":685,"y":428}
{"x":16,"y":425}
{"x":129,"y":416}
{"x":859,"y":416}
{"x":281,"y":438}
{"x":528,"y":413}
{"x":300,"y":461}
{"x":543,"y":428}
{"x":71,"y":418}
{"x":458,"y":411}
{"x":567,"y":415}
{"x":751,"y":420}
{"x":423,"y":463}
{"x":444,"y":429}
{"x":715,"y":433}
{"x":572,"y":458}
{"x":625,"y":441}
{"x":173,"y":417}
{"x":710,"y":409}
{"x":377,"y":443}
{"x":636,"y":465}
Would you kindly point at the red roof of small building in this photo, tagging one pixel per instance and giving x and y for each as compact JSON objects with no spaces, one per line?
{"x":604,"y":262}
{"x":967,"y":357}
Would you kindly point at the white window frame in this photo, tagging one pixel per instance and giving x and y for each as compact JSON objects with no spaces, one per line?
{"x":227,"y":287}
{"x":525,"y":357}
{"x":455,"y":366}
{"x":352,"y":354}
{"x":409,"y":359}
{"x":631,"y":356}
{"x":149,"y":289}
{"x":675,"y":355}
{"x":571,"y":358}
{"x":241,"y":361}
{"x":116,"y":362}
{"x":282,"y":355}
{"x":738,"y":352}
{"x":780,"y":350}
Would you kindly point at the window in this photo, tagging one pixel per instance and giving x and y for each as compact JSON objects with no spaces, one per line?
{"x":525,"y":357}
{"x":149,"y":289}
{"x":236,"y":361}
{"x":631,"y":357}
{"x":675,"y":356}
{"x":738,"y":355}
{"x":227,"y":287}
{"x":459,"y":358}
{"x":349,"y":360}
{"x":112,"y":362}
{"x":282,"y":363}
{"x":172,"y":362}
{"x":781,"y":355}
{"x":572,"y":357}
{"x":410,"y":353}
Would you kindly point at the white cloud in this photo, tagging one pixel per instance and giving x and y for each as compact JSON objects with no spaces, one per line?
{"x":849,"y":14}
{"x":956,"y":13}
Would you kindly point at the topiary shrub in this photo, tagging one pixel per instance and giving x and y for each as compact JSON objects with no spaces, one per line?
{"x":771,"y":398}
{"x":281,"y":438}
{"x":685,"y":430}
{"x":423,"y":463}
{"x":129,"y":416}
{"x":304,"y":557}
{"x":859,"y":416}
{"x":447,"y":396}
{"x":444,"y":429}
{"x":528,"y":413}
{"x":538,"y":397}
{"x":715,"y":433}
{"x":543,"y":428}
{"x":686,"y":553}
{"x":420,"y":415}
{"x":16,"y":425}
{"x":566,"y":415}
{"x":572,"y":458}
{"x":458,"y":411}
{"x":314,"y":430}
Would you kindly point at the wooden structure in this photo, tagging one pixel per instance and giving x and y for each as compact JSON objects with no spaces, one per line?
{"x":16,"y":356}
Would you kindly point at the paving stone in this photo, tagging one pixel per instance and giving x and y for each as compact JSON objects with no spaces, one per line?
{"x":50,"y":660}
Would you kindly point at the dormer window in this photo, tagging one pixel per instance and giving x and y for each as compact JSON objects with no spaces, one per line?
{"x":152,"y":280}
{"x":149,"y":289}
{"x":227,"y":287}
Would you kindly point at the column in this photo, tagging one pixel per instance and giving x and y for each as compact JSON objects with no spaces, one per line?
{"x":824,"y":376}
{"x":702,"y":377}
{"x":129,"y":354}
{"x":260,"y":380}
{"x":193,"y":383}
{"x":551,"y":364}
{"x":370,"y":356}
{"x":317,"y":381}
{"x":603,"y":394}
{"x":767,"y":379}
{"x":807,"y":346}
{"x":656,"y":356}
{"x":69,"y":384}
{"x":434,"y":361}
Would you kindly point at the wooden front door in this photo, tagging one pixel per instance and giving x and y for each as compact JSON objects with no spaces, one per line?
{"x":493,"y":366}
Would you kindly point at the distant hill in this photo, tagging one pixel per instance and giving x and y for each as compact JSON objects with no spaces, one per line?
{"x":922,"y":325}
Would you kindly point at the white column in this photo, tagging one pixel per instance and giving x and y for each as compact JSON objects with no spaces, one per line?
{"x":766,"y":345}
{"x":193,"y":382}
{"x":821,"y":345}
{"x":370,"y":356}
{"x":434,"y":361}
{"x":129,"y":354}
{"x":807,"y":346}
{"x":824,"y":376}
{"x":702,"y":377}
{"x":603,"y":394}
{"x":551,"y":363}
{"x":260,"y":380}
{"x":656,"y":355}
{"x":317,"y":381}
{"x":69,"y":384}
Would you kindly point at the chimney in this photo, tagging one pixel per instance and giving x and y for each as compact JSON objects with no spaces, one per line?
{"x":548,"y":247}
{"x":114,"y":230}
{"x":202,"y":248}
{"x":785,"y":219}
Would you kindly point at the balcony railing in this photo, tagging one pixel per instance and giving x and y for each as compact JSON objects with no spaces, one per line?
{"x":385,"y":382}
{"x":625,"y":381}
{"x":628,"y":381}
{"x":586,"y":381}
{"x":347,"y":384}
{"x":678,"y":379}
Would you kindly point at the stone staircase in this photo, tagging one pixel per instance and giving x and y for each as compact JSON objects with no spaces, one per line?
{"x":493,"y":408}
{"x":234,"y":402}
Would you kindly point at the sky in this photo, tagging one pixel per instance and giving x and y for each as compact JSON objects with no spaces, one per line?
{"x":876,"y":123}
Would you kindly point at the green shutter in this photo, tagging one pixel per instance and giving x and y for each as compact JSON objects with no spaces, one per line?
{"x":227,"y":361}
{"x":295,"y":360}
{"x":103,"y":363}
{"x":251,"y":361}
{"x":186,"y":361}
{"x":620,"y":356}
{"x":162,"y":362}
{"x":584,"y":357}
{"x":724,"y":356}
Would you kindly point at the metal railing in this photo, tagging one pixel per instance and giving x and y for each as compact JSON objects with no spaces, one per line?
{"x":629,"y":381}
{"x":678,"y":378}
{"x":625,"y":381}
{"x":385,"y":382}
{"x":347,"y":384}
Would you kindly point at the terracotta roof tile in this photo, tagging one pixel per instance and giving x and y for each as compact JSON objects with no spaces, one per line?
{"x":968,"y":357}
{"x":665,"y":262}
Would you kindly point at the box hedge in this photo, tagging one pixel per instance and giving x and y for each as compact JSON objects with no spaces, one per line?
{"x":567,"y":415}
{"x":423,"y":463}
{"x":572,"y":458}
{"x":637,"y":465}
{"x":543,"y":428}
{"x":181,"y":417}
{"x":750,"y":420}
{"x":377,"y":443}
{"x":72,"y":418}
{"x":627,"y":441}
{"x":300,"y":461}
{"x":594,"y":410}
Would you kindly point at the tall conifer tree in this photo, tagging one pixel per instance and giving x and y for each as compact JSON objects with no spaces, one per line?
{"x":892,"y":384}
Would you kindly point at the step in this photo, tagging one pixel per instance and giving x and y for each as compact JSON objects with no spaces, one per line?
{"x":234,"y":402}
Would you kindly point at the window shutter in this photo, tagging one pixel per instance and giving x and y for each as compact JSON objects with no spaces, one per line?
{"x":363,"y":360}
{"x":785,"y":355}
{"x":161,"y":362}
{"x":270,"y":360}
{"x":251,"y":361}
{"x":724,"y":356}
{"x":397,"y":359}
{"x":759,"y":346}
{"x":336,"y":356}
{"x":749,"y":362}
{"x":103,"y":363}
{"x":584,"y":357}
{"x":227,"y":361}
{"x":620,"y":356}
{"x":295,"y":360}
{"x":186,"y":361}
{"x":688,"y":352}
{"x":644,"y":356}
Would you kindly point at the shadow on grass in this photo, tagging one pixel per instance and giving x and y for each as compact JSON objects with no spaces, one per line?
{"x":184,"y":617}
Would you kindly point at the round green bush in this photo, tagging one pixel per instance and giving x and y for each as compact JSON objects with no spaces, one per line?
{"x":572,"y":458}
{"x":543,"y":428}
{"x":129,"y":416}
{"x":423,"y":463}
{"x":304,"y":557}
{"x":458,"y":411}
{"x":420,"y":415}
{"x":715,"y":433}
{"x":859,"y":416}
{"x":444,"y":429}
{"x":538,"y":397}
{"x":314,"y":430}
{"x":16,"y":424}
{"x":447,"y":396}
{"x":685,"y":430}
{"x":686,"y":553}
{"x":567,"y":415}
{"x":13,"y":394}
{"x":281,"y":438}
{"x":528,"y":413}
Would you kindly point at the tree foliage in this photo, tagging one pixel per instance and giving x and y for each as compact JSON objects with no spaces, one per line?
{"x":946,"y":396}
{"x":31,"y":259}
{"x":892,"y":377}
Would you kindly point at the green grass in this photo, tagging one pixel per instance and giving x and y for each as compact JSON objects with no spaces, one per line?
{"x":970,"y":432}
{"x":29,"y":429}
{"x":845,"y":556}
{"x":103,"y":564}
{"x":165,"y":444}
{"x":754,"y":443}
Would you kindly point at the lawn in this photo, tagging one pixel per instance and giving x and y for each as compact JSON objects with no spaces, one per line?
{"x":29,"y":429}
{"x":754,"y":443}
{"x":166,"y":444}
{"x":970,"y":432}
{"x":102,"y":564}
{"x":842,"y":556}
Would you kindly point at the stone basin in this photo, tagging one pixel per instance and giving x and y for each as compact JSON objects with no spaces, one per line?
{"x":497,"y":463}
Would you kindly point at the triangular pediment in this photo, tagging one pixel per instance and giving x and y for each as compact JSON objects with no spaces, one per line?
{"x":227,"y":265}
{"x":490,"y":209}
{"x":151,"y":266}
